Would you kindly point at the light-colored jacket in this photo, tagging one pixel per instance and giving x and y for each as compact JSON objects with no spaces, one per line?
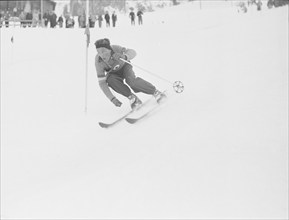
{"x":112,"y":66}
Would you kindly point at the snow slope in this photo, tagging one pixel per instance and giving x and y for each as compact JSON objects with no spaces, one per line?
{"x":218,"y":150}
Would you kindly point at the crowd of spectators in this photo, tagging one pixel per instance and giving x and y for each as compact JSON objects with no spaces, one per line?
{"x":51,"y":20}
{"x":27,"y":19}
{"x":34,"y":19}
{"x":243,"y":6}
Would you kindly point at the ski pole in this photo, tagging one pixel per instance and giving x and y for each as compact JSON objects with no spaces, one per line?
{"x":146,"y":71}
{"x":177,"y":85}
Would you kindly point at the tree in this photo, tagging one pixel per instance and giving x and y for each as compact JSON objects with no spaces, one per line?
{"x":96,"y":6}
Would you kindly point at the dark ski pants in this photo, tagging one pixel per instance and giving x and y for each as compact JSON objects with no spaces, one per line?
{"x":137,"y":84}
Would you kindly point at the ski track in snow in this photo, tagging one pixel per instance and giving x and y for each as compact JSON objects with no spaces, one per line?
{"x":217,"y":150}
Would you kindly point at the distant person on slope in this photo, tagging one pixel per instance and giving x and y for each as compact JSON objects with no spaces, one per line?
{"x":107,"y":19}
{"x":112,"y":71}
{"x":139,"y":15}
{"x":132,"y":17}
{"x":100,"y":19}
{"x":114,"y":18}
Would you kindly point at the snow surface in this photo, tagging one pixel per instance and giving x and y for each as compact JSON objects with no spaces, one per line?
{"x":217,"y":150}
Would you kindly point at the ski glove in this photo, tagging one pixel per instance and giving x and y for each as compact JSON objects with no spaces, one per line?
{"x":117,"y":56}
{"x":116,"y":102}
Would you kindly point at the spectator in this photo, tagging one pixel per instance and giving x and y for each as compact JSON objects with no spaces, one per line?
{"x":114,"y":18}
{"x":46,"y":18}
{"x":70,"y":22}
{"x":81,"y":21}
{"x":35,"y":18}
{"x":132,"y":17}
{"x":91,"y":21}
{"x":22,"y":17}
{"x":60,"y":21}
{"x":6,"y":18}
{"x":139,"y":15}
{"x":259,"y":5}
{"x":29,"y":18}
{"x":107,"y":19}
{"x":270,"y":4}
{"x":241,"y":7}
{"x":1,"y":18}
{"x":66,"y":17}
{"x":53,"y":19}
{"x":100,"y":19}
{"x":15,"y":12}
{"x":40,"y":24}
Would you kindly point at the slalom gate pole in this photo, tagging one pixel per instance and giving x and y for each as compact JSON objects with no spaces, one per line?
{"x":86,"y":78}
{"x":87,"y":33}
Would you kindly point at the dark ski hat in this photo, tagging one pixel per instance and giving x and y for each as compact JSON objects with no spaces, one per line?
{"x":103,"y":43}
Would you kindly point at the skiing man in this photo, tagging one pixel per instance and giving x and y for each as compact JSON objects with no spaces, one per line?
{"x":112,"y":71}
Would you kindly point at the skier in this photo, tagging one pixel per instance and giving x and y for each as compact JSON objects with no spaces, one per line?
{"x":112,"y":71}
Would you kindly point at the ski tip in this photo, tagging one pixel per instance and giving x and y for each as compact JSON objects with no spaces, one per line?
{"x":103,"y":125}
{"x":131,"y":120}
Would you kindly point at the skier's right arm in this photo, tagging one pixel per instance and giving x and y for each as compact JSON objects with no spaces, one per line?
{"x":102,"y":80}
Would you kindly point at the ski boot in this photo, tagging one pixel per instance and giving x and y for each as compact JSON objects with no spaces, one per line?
{"x":159,"y":96}
{"x":135,"y":102}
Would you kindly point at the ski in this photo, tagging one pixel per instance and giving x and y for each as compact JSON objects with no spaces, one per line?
{"x":135,"y":120}
{"x":108,"y":125}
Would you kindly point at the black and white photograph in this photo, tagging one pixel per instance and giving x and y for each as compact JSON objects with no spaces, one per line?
{"x":144,"y":109}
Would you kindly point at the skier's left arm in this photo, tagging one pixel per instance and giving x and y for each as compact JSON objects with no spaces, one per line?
{"x":129,"y":53}
{"x":124,"y":53}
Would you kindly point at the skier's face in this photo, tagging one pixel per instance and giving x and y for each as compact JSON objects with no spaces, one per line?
{"x":104,"y":53}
